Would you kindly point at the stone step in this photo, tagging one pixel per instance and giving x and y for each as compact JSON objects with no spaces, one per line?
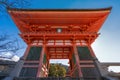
{"x":57,"y":78}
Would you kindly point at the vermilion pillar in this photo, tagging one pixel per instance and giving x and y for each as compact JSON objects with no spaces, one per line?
{"x":77,"y":62}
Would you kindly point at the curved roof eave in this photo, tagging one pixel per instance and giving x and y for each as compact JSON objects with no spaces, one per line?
{"x":99,"y":9}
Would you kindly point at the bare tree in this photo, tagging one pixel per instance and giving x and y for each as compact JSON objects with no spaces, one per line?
{"x":14,"y":3}
{"x":7,"y":44}
{"x":4,"y":4}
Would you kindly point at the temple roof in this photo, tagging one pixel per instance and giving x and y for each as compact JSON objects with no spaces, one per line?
{"x":95,"y":9}
{"x":92,"y":18}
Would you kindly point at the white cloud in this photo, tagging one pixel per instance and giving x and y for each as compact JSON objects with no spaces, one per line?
{"x":6,"y":54}
{"x":62,"y":61}
{"x":15,"y":58}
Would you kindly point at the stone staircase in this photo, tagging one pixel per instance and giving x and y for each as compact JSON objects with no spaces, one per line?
{"x":58,"y":78}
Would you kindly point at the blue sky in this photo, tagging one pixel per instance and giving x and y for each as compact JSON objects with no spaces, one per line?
{"x":106,"y":46}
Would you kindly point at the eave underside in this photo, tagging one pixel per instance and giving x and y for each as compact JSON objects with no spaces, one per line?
{"x":43,"y":24}
{"x":27,"y":19}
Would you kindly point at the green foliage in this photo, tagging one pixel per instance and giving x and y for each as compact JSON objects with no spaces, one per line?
{"x":57,"y":70}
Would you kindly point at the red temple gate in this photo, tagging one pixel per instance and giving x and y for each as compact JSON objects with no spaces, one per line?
{"x":59,"y":34}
